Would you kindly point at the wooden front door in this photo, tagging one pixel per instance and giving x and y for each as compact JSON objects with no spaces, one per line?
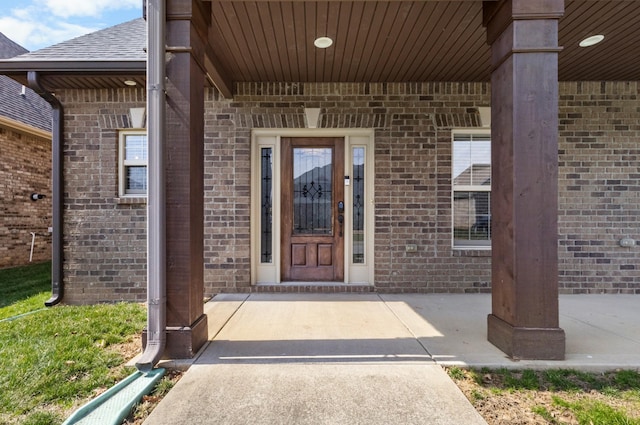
{"x":312,"y":209}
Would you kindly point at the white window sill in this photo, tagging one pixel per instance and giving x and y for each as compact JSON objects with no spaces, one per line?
{"x":467,"y":251}
{"x":131,"y":200}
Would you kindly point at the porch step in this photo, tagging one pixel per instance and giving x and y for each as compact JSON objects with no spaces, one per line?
{"x":312,"y":287}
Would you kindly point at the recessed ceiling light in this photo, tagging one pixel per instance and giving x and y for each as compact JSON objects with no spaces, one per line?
{"x":323,"y":42}
{"x":590,"y":41}
{"x":130,"y":83}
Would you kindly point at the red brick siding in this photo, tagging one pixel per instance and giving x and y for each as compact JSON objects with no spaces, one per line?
{"x":25,"y":168}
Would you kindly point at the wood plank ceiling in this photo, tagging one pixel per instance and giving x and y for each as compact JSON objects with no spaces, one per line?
{"x":404,"y":40}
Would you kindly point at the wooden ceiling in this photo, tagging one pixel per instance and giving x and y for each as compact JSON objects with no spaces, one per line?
{"x":377,"y":41}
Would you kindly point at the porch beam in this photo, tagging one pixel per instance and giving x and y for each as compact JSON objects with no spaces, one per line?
{"x":523,"y":34}
{"x":217,"y":74}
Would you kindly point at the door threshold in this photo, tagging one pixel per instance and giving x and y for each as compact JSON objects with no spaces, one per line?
{"x":311,"y":287}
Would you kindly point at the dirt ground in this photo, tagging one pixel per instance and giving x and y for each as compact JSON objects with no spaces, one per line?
{"x":499,"y":405}
{"x":512,"y":408}
{"x":149,"y":402}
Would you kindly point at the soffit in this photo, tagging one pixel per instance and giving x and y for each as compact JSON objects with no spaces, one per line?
{"x":404,"y":41}
{"x":374,"y":41}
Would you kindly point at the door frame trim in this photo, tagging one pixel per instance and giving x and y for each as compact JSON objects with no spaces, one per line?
{"x":270,"y":273}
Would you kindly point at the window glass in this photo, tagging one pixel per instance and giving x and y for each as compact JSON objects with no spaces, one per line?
{"x":133,"y":166}
{"x":358,"y":205}
{"x":135,"y":147}
{"x":471,"y":161}
{"x":266,"y":205}
{"x":471,"y":190}
{"x":312,"y":191}
{"x":136,"y":180}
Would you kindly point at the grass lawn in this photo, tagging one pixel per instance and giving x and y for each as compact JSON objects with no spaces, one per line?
{"x":58,"y":358}
{"x":24,"y":289}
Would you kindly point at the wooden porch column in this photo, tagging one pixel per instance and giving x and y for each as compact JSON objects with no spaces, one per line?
{"x":187,"y":23}
{"x":524,"y":124}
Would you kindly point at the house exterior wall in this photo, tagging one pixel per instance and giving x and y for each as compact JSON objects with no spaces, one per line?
{"x":25,"y":168}
{"x":412,"y":125}
{"x":104,"y":236}
{"x":598,"y":184}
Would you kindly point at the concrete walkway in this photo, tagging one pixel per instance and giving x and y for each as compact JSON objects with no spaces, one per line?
{"x":369,"y":359}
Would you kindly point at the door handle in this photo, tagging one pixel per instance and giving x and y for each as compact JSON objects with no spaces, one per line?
{"x":340,"y":216}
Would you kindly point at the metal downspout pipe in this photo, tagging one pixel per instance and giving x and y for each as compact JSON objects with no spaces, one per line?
{"x":156,"y":216}
{"x":57,"y":140}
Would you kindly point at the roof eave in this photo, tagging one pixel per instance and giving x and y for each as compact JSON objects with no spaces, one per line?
{"x":74,"y":66}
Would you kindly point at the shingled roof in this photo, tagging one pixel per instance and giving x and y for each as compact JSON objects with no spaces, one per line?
{"x":109,"y":58}
{"x":123,"y":42}
{"x":18,"y":103}
{"x":9,"y":49}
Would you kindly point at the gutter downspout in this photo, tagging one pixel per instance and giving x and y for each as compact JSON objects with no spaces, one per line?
{"x":156,"y":215}
{"x":57,"y":140}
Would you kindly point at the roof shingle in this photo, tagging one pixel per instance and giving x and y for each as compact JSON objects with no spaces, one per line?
{"x":123,"y":42}
{"x":18,"y":103}
{"x":9,"y":49}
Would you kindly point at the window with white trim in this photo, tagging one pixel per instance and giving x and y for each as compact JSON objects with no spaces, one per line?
{"x":133,"y":153}
{"x":471,"y":194}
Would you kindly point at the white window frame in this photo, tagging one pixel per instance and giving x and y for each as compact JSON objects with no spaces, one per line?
{"x":480,"y":244}
{"x":124,"y":163}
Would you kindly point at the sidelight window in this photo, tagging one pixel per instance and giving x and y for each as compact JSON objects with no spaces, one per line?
{"x":358,"y":187}
{"x":266,"y":205}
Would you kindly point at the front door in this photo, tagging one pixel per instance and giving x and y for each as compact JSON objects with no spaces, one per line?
{"x":312,"y":209}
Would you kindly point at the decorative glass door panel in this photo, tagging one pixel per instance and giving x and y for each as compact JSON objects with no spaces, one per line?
{"x":312,"y":209}
{"x":312,"y":191}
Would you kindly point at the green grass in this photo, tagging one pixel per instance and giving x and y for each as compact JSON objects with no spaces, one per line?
{"x":58,"y":357}
{"x":571,"y":390}
{"x":596,"y":413}
{"x":24,"y":289}
{"x":62,"y":354}
{"x":455,"y":372}
{"x":544,"y":413}
{"x":572,"y":380}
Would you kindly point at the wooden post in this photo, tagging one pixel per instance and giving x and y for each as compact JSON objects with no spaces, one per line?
{"x":187,"y":25}
{"x":524,"y":124}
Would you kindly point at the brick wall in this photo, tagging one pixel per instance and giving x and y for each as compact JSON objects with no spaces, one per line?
{"x":227,"y":198}
{"x":104,"y":236}
{"x":599,"y":171}
{"x":599,"y":181}
{"x":412,"y":125}
{"x":25,"y":168}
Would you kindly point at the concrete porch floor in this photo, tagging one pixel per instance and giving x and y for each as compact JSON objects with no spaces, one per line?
{"x":369,"y":358}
